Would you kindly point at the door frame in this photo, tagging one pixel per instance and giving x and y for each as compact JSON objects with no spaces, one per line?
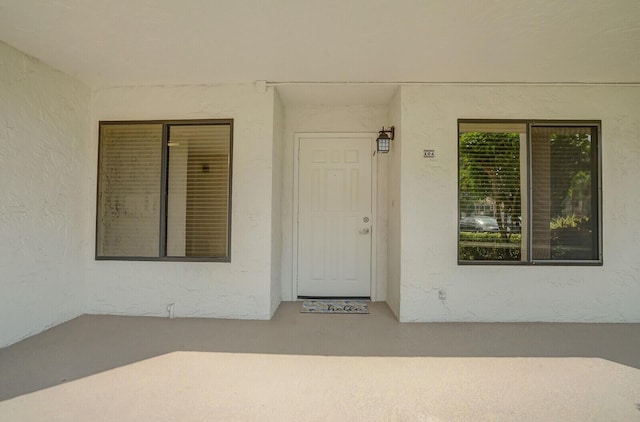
{"x":299,"y":136}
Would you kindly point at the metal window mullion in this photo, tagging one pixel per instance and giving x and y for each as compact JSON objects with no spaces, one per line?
{"x":229,"y":188}
{"x":596,"y":203}
{"x":529,"y":219}
{"x":164,"y":186}
{"x":459,"y":193}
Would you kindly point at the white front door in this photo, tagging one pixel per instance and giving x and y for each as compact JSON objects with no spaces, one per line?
{"x":334,"y":217}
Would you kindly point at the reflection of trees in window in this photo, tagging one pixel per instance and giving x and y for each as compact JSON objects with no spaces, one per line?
{"x":563,"y":163}
{"x":542,"y":190}
{"x":570,"y":174}
{"x":490,"y":176}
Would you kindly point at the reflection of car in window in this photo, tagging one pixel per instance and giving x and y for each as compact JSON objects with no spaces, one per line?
{"x":479,"y":223}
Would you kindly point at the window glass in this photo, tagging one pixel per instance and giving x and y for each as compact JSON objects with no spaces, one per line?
{"x":164,"y":190}
{"x":491,"y":192}
{"x":197,"y":207}
{"x":563,"y":194}
{"x":528,"y":200}
{"x":129,"y":190}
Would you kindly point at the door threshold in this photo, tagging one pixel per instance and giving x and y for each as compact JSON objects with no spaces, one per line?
{"x":335,"y":297}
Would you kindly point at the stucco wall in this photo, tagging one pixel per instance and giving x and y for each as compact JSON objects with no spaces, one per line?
{"x":435,"y":288}
{"x":336,"y":119}
{"x":394,"y":245}
{"x":276,"y":213}
{"x":239,"y":289}
{"x":44,"y":128}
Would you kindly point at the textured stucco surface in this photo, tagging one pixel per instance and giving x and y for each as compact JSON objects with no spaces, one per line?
{"x":239,"y":289}
{"x":276,"y":203}
{"x":515,"y":293}
{"x":48,"y":159}
{"x":44,"y":128}
{"x":394,"y":245}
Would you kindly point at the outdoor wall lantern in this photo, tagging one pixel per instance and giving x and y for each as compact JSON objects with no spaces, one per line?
{"x":384,"y":139}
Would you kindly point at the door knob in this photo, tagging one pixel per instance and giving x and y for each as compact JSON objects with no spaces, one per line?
{"x":364,"y":231}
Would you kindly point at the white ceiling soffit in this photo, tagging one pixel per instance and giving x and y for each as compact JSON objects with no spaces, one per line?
{"x":150,"y":42}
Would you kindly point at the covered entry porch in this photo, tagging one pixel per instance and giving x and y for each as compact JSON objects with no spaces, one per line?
{"x":317,"y":367}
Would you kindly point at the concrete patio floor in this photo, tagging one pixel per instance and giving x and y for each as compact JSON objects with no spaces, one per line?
{"x":319,"y":367}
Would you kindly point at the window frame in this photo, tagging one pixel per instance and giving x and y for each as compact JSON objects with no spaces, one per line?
{"x":597,"y":178}
{"x":163,"y":186}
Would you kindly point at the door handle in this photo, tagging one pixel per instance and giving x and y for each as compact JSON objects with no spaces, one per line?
{"x":364,"y":231}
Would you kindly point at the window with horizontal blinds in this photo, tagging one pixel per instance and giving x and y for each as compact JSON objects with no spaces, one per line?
{"x":198,"y":194}
{"x":491,"y":192}
{"x":564,"y":197}
{"x":164,"y":190}
{"x":529,"y":192}
{"x":129,"y":190}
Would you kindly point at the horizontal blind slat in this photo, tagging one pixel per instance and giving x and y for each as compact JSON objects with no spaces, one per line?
{"x":490,"y":190}
{"x":199,"y":182}
{"x":129,"y":190}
